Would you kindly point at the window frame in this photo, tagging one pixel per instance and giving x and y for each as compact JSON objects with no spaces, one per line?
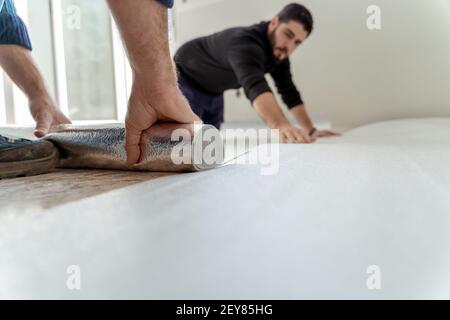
{"x":12,"y":109}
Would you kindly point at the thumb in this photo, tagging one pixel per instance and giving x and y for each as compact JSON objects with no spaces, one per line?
{"x":186,"y":116}
{"x":181,"y":112}
{"x":43,"y":123}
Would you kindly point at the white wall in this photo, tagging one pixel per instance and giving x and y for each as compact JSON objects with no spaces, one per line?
{"x":346,"y":72}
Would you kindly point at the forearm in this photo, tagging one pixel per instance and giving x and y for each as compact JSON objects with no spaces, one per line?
{"x":268,"y":109}
{"x":302,"y":117}
{"x":19,"y":65}
{"x":143,"y":25}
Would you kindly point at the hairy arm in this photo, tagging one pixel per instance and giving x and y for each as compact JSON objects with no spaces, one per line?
{"x":21,"y":68}
{"x":302,"y":117}
{"x":155,"y":96}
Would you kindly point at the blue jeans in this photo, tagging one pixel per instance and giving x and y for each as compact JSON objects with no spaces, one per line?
{"x":208,"y":107}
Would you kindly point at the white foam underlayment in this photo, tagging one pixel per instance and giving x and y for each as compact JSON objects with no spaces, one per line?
{"x":379,"y":195}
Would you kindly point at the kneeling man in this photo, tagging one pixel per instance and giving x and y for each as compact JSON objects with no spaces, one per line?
{"x":241,"y":57}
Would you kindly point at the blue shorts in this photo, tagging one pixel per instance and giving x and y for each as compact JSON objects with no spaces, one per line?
{"x":167,"y":3}
{"x":12,"y":29}
{"x":208,"y":107}
{"x":14,"y":32}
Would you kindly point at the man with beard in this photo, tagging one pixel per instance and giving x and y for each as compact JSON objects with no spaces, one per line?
{"x":241,"y":57}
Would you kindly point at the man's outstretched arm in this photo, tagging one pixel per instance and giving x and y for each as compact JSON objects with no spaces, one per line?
{"x":302,"y":117}
{"x":19,"y":65}
{"x":143,"y":25}
{"x":16,"y":60}
{"x":268,"y":109}
{"x":293,"y":100}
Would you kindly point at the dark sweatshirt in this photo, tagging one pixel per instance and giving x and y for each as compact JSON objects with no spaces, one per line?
{"x":235,"y":58}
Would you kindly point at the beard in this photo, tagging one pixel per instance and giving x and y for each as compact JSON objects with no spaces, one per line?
{"x":273,"y":43}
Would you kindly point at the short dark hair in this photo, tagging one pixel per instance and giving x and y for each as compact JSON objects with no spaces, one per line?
{"x":299,"y":13}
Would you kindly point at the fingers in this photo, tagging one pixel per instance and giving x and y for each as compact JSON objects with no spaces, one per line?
{"x":303,"y":137}
{"x":59,"y":120}
{"x":327,"y":133}
{"x":323,"y":134}
{"x":295,"y":135}
{"x":43,"y":123}
{"x":298,"y":136}
{"x":62,"y":119}
{"x":288,"y":137}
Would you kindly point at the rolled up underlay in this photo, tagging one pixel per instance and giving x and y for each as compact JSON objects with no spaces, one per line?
{"x":164,"y":147}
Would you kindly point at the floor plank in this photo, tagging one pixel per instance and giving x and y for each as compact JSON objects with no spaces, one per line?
{"x":33,"y":194}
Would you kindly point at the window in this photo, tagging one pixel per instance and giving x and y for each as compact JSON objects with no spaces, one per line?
{"x":79,"y":51}
{"x":88,"y":54}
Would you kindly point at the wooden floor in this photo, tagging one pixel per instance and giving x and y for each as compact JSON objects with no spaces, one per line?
{"x":37,"y":193}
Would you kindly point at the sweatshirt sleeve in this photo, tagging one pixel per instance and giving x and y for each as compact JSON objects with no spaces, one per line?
{"x":285,"y":85}
{"x":247,"y":61}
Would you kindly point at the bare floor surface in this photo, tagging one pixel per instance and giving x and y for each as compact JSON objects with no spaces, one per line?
{"x":36,"y":193}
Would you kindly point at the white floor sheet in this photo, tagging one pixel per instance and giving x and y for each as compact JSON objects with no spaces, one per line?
{"x":379,"y":195}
